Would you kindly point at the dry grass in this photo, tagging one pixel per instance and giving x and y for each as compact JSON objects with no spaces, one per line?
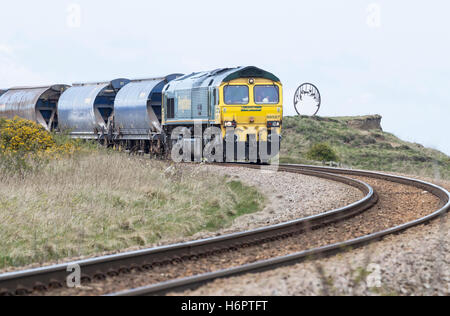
{"x":108,"y":201}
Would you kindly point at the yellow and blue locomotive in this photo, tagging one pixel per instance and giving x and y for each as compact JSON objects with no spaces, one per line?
{"x":244,"y":103}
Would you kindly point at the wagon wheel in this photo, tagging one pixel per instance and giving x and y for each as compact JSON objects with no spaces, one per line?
{"x":134,"y":150}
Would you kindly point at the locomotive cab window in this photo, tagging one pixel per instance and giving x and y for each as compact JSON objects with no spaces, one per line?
{"x":170,"y":108}
{"x":267,"y":94}
{"x":236,"y":95}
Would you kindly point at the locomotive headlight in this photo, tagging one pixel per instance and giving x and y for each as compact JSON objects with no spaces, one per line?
{"x":230,"y":124}
{"x":273,"y":124}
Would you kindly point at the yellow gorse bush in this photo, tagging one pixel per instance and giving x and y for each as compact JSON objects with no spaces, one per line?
{"x":19,"y":136}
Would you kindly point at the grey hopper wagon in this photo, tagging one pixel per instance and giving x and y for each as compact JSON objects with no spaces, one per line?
{"x":138,"y":108}
{"x":86,"y":109}
{"x":38,"y":104}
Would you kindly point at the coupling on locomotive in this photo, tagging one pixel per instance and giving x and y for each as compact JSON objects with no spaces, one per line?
{"x":230,"y":114}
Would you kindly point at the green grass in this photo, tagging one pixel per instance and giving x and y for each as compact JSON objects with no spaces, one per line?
{"x":371,"y":150}
{"x":246,"y":200}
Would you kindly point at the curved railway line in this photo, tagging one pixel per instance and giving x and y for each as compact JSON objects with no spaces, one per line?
{"x":182,"y":266}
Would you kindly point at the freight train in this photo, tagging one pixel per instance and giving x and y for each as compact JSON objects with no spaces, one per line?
{"x":232,"y":114}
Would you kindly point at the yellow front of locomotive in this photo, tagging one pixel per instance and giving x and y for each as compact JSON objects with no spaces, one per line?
{"x":252,"y":106}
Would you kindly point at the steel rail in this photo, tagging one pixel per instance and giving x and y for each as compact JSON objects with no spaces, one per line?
{"x":24,"y":282}
{"x":270,"y":264}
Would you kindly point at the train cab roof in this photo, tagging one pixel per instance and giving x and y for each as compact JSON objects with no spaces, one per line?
{"x":216,"y":77}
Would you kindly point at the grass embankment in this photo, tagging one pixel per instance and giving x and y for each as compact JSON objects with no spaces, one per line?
{"x":95,"y":200}
{"x":362,"y":149}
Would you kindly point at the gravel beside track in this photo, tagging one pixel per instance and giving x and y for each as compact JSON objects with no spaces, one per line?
{"x":398,"y":204}
{"x":290,"y":196}
{"x":416,"y":262}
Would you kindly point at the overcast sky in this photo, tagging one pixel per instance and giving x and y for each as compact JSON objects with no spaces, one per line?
{"x":367,"y":57}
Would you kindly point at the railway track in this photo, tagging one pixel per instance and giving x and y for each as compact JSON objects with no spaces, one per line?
{"x":325,"y":249}
{"x":97,"y":269}
{"x":54,"y":277}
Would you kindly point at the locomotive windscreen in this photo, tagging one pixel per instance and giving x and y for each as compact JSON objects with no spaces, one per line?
{"x":236,"y":95}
